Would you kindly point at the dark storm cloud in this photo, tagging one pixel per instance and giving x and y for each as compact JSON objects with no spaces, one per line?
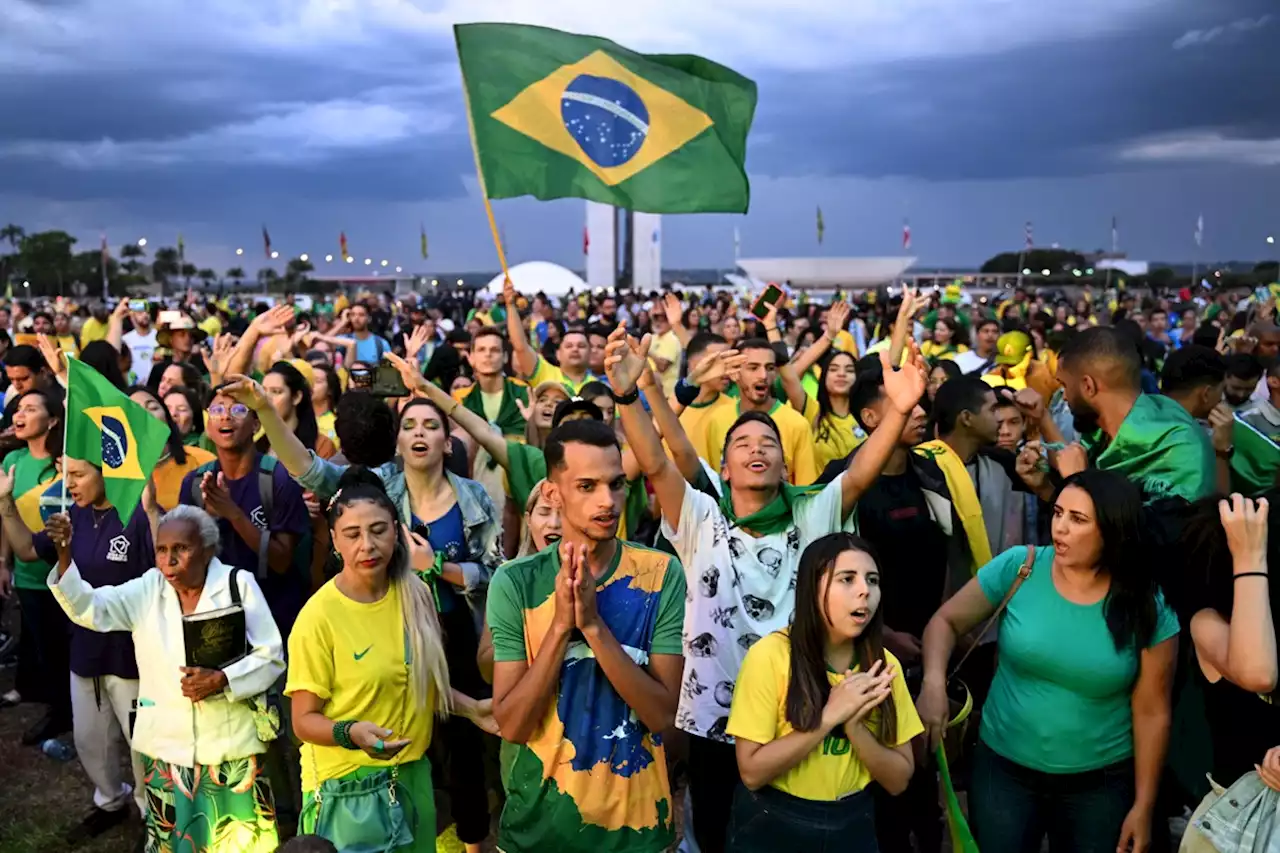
{"x":1032,"y":113}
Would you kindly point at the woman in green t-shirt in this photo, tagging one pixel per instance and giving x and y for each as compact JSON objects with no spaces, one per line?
{"x":1076,"y":724}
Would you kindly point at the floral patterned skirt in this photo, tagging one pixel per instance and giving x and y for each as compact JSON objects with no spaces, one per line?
{"x":222,"y":808}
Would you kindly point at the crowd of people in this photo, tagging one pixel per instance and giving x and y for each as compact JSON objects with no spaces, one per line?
{"x":616,"y":572}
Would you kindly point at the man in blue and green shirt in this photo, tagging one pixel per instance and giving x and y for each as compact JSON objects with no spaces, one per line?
{"x":587,"y":667}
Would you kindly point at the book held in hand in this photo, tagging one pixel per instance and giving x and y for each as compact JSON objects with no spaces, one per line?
{"x":215,"y":639}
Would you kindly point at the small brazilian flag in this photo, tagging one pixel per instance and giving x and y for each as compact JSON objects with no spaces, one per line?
{"x":108,"y":429}
{"x":557,"y":115}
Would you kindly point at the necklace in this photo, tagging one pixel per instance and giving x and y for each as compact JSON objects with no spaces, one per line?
{"x":98,"y":519}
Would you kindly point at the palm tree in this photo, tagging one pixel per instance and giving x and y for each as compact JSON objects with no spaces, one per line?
{"x":207,"y":276}
{"x":267,"y":275}
{"x":132,"y":250}
{"x":236,"y":274}
{"x":14,"y":234}
{"x":166,"y":264}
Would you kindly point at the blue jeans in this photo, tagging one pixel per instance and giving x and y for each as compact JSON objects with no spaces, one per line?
{"x":1012,"y":808}
{"x":767,"y":821}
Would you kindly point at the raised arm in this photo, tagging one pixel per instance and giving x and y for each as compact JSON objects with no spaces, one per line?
{"x":912,"y":304}
{"x":837,"y":319}
{"x":624,"y":361}
{"x":476,"y":426}
{"x":523,"y":356}
{"x":675,"y":316}
{"x":291,"y":452}
{"x":266,"y":324}
{"x":667,"y":422}
{"x":904,"y":387}
{"x":115,"y":324}
{"x":1243,"y":651}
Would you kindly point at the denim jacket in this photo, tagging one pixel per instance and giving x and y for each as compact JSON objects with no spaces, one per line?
{"x":1243,"y":820}
{"x":480,"y":520}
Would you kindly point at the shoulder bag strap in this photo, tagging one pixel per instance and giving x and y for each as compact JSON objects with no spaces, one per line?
{"x":1024,"y":572}
{"x":266,"y":496}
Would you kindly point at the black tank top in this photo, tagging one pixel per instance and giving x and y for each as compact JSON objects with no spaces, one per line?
{"x":1242,"y":726}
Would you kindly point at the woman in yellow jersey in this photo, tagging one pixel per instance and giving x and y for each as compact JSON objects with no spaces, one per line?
{"x":948,"y":339}
{"x":178,"y":460}
{"x":835,"y":431}
{"x":367,"y":678}
{"x":819,"y":712}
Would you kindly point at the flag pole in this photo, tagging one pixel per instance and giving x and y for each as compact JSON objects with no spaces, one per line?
{"x":68,"y":357}
{"x":484,"y":191}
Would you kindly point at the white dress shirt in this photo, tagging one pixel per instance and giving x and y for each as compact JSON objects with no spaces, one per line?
{"x":169,"y":726}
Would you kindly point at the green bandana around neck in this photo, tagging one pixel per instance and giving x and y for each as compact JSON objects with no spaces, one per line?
{"x":774,"y":517}
{"x":510,"y":421}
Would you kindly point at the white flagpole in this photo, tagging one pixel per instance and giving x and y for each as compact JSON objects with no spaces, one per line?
{"x":68,"y":357}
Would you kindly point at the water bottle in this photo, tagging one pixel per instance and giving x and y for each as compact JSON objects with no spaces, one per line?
{"x":57,"y":750}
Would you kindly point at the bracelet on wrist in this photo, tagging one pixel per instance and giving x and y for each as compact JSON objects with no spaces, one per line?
{"x":626,"y":399}
{"x":1251,"y":575}
{"x":342,"y":734}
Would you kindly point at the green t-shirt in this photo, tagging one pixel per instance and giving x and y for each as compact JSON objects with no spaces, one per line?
{"x":31,"y":477}
{"x":1059,"y":702}
{"x":591,"y":777}
{"x":526,"y":466}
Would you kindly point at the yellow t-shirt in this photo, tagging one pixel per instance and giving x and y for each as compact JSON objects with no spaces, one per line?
{"x":92,"y":331}
{"x":759,"y":714}
{"x":168,"y":475}
{"x":326,"y":424}
{"x":844,"y":342}
{"x":797,"y":440}
{"x":67,"y":343}
{"x":835,"y":437}
{"x":667,"y":347}
{"x":353,"y":656}
{"x":696,"y":420}
{"x":548,"y":372}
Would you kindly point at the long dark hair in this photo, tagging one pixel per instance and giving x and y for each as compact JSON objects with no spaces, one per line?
{"x":1130,"y":605}
{"x":808,"y":687}
{"x":308,"y":430}
{"x":177,"y":449}
{"x":333,"y":383}
{"x":57,"y":424}
{"x":823,"y":427}
{"x":105,"y":359}
{"x":197,"y":405}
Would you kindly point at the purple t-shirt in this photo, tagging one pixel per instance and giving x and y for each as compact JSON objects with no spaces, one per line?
{"x":287,"y":592}
{"x":107,"y":553}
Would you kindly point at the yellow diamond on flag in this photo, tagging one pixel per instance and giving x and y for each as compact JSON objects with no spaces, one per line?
{"x":119,"y":448}
{"x":605,"y":117}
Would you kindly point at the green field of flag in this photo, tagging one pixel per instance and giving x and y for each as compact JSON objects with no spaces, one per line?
{"x":108,"y":429}
{"x":1255,"y":461}
{"x":557,"y":115}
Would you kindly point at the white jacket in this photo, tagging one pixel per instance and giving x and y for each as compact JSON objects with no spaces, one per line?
{"x":170,"y":726}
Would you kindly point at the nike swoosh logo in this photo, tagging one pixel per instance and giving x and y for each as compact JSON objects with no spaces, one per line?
{"x":362,"y":654}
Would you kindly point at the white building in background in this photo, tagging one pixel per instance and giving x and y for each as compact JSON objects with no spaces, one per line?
{"x":821,"y":273}
{"x":602,"y":250}
{"x":646,"y":252}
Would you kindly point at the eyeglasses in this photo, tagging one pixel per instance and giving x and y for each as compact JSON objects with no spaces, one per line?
{"x":237,"y":411}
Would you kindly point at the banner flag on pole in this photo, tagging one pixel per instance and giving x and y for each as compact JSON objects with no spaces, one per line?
{"x":1200,"y":230}
{"x":1030,"y":239}
{"x":342,"y":245}
{"x":266,"y":242}
{"x":107,"y":429}
{"x":821,"y":225}
{"x":906,"y":234}
{"x":422,"y":234}
{"x":556,"y":115}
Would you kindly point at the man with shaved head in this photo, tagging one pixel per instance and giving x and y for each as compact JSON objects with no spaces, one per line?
{"x":1148,"y":438}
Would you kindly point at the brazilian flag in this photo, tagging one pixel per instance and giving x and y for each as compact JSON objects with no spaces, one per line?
{"x":557,"y":115}
{"x":108,"y":429}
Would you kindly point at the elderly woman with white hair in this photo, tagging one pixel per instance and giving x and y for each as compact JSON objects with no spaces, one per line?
{"x":198,"y":730}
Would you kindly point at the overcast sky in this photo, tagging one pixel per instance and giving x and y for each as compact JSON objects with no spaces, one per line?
{"x":212,"y":117}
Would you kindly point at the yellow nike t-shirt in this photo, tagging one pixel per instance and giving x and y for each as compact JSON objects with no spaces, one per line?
{"x":759,"y":714}
{"x":353,"y":656}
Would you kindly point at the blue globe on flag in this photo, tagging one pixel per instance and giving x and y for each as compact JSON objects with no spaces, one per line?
{"x":606,"y":117}
{"x":115,"y":442}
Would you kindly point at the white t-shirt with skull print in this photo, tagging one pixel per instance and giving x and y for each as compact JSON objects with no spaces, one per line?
{"x":740,"y":588}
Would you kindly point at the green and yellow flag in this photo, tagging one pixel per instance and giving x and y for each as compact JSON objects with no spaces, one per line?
{"x":557,"y":115}
{"x":108,"y":429}
{"x":822,"y":227}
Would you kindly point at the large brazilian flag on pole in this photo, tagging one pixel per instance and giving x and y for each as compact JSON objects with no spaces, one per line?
{"x":108,"y":429}
{"x":557,"y":115}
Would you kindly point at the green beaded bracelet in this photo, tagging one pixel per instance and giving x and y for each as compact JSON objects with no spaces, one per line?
{"x":342,"y":734}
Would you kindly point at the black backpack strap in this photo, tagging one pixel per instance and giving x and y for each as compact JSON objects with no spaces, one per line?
{"x":266,"y":494}
{"x":234,"y":584}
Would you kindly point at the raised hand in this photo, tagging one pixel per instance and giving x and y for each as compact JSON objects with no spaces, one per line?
{"x":1245,"y":522}
{"x":409,"y":374}
{"x":837,"y":318}
{"x":904,"y":387}
{"x":273,"y":320}
{"x":413,"y":343}
{"x":509,"y":291}
{"x":1072,"y":459}
{"x":624,"y":359}
{"x":716,"y":366}
{"x":6,"y":484}
{"x":675,"y":311}
{"x":242,"y":389}
{"x":1030,"y":403}
{"x":53,"y":354}
{"x":58,"y":526}
{"x":1028,"y":465}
